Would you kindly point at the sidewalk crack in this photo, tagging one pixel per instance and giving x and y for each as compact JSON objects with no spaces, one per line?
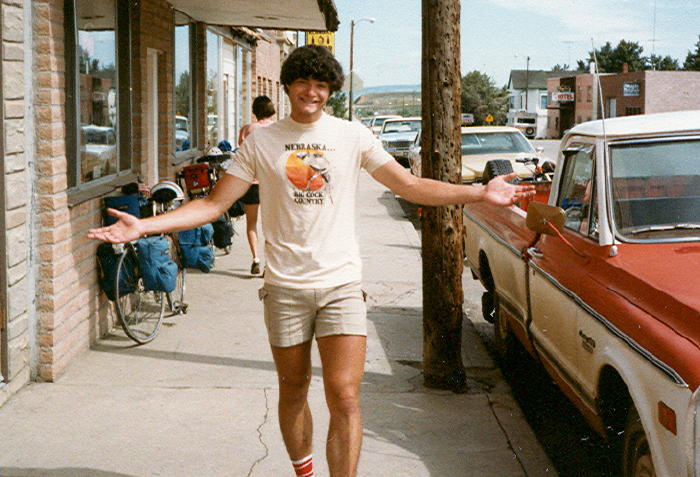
{"x":260,"y":434}
{"x":503,"y":430}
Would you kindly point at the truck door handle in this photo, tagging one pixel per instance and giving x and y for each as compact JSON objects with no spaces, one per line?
{"x":535,"y":252}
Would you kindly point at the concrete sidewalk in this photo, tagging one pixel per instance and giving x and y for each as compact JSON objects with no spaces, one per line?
{"x":200,"y":400}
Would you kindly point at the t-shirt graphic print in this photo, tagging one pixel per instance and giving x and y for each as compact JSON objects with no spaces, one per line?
{"x":309,"y":171}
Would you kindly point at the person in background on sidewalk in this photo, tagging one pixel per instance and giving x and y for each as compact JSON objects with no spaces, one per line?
{"x":263,"y":109}
{"x":308,"y":165}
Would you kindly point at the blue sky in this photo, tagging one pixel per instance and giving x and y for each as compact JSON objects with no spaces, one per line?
{"x":498,"y":35}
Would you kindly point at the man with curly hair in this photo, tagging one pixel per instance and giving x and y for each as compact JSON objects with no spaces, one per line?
{"x":308,"y":166}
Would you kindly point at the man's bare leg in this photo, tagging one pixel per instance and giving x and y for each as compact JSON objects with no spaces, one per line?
{"x":294,"y":375}
{"x":343,"y":358}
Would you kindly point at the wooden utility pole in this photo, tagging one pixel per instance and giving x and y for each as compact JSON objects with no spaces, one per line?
{"x":442,"y":226}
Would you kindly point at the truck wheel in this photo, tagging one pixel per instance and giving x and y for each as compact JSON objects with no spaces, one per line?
{"x":636,"y":455}
{"x":488,"y":306}
{"x":496,"y":167}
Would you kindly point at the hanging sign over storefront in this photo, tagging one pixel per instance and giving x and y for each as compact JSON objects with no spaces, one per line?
{"x":562,"y":96}
{"x":323,"y":38}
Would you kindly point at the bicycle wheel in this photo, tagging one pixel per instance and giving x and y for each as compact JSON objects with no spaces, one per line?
{"x":140,"y":311}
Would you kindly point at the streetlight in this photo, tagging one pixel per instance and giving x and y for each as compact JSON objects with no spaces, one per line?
{"x":352,"y":38}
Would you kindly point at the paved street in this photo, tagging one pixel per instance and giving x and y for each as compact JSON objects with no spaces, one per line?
{"x":200,"y":400}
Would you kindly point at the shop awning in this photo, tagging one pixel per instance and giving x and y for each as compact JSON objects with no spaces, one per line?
{"x":318,"y":15}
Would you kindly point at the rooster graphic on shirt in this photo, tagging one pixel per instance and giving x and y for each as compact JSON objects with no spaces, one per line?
{"x":309,"y":171}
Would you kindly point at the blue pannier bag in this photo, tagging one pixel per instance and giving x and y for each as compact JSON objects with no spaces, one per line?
{"x":196,"y":249}
{"x":158,"y":270}
{"x":107,"y":262}
{"x":129,"y":203}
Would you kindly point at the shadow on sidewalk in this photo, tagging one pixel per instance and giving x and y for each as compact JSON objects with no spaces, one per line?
{"x":60,"y":472}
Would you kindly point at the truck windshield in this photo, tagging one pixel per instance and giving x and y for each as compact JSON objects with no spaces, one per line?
{"x":497,"y":142}
{"x":656,"y":189}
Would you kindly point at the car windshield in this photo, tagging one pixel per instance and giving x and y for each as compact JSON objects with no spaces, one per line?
{"x":494,"y":143}
{"x":379,"y":121}
{"x":401,"y":126}
{"x":656,"y":189}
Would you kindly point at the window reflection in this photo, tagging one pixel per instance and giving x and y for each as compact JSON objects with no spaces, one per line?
{"x":98,"y":88}
{"x":213,"y":88}
{"x":183,"y":84}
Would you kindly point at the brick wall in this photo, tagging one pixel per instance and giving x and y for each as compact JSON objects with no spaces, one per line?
{"x":672,"y":91}
{"x":71,"y":311}
{"x":16,"y":200}
{"x":612,"y":87}
{"x":266,"y":70}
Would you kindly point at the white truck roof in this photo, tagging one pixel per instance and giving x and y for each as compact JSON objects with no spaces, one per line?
{"x":641,"y":125}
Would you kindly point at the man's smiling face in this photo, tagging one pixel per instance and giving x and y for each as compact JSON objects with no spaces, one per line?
{"x":307,"y":98}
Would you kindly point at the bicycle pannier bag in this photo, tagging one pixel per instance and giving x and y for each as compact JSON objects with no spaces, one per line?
{"x":158,"y":270}
{"x":195,"y":245}
{"x":223,"y":232}
{"x":107,"y":262}
{"x":123,"y":203}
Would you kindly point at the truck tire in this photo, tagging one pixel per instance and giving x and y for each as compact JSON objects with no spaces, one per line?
{"x":529,"y":132}
{"x":496,"y":167}
{"x":636,"y":455}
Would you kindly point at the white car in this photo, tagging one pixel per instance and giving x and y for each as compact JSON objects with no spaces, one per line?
{"x":98,"y":152}
{"x":481,"y":144}
{"x":377,"y":121}
{"x":397,"y":136}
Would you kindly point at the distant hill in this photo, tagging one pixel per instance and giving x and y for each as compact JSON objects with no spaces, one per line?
{"x":401,"y":88}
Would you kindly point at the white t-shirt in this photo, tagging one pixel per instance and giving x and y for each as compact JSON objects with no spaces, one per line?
{"x":308,"y":175}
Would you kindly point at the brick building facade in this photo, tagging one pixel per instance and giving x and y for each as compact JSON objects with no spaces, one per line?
{"x":90,"y":90}
{"x":623,"y":94}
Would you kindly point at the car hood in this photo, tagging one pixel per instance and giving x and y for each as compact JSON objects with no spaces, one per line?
{"x":661,"y":280}
{"x":473,"y":165}
{"x":98,"y":149}
{"x":398,"y":136}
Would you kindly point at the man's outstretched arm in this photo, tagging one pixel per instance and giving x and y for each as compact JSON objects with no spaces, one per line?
{"x":431,"y":192}
{"x":197,"y":212}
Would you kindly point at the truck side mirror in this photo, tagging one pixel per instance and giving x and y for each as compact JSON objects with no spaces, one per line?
{"x":539,"y":215}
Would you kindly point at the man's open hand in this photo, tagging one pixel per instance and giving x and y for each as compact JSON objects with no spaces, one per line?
{"x":126,"y":229}
{"x":499,"y":192}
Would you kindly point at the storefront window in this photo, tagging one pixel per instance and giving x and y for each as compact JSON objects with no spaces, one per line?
{"x":213,"y":88}
{"x":183,"y":84}
{"x":97,"y":89}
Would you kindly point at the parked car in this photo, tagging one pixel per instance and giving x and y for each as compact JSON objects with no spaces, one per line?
{"x":366,"y":122}
{"x":377,"y":121}
{"x":182,"y":133}
{"x":599,"y":281}
{"x":98,"y":151}
{"x":481,"y":144}
{"x":397,"y":136}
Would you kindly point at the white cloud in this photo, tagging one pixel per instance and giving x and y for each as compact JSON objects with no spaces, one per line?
{"x":597,"y":19}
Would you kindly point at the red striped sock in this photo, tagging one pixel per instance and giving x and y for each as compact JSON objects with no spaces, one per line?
{"x":304,"y":467}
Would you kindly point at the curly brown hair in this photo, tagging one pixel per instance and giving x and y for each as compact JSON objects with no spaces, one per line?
{"x":315,"y":62}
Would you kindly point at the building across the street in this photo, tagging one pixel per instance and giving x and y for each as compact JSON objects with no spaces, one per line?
{"x":527,"y":101}
{"x":573,"y":98}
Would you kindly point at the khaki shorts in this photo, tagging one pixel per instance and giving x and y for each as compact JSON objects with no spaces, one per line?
{"x":293,"y":316}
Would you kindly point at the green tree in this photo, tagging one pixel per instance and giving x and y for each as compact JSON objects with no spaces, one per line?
{"x":182,"y":95}
{"x":663,"y":63}
{"x":611,"y":60}
{"x":481,"y":97}
{"x":692,"y":61}
{"x":338,"y":102}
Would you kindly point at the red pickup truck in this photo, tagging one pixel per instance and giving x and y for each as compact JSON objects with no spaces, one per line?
{"x":600,"y":281}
